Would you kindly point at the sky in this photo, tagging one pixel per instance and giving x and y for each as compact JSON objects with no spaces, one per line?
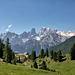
{"x":23,"y":15}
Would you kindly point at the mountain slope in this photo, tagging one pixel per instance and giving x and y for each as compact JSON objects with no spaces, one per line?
{"x":65,"y":46}
{"x":27,"y":41}
{"x":9,"y":69}
{"x":66,"y":67}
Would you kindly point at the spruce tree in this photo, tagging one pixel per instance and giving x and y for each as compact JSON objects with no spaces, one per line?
{"x":35,"y":65}
{"x":51,"y":53}
{"x":13,"y":55}
{"x":72,"y":52}
{"x":42,"y":53}
{"x":7,"y":53}
{"x":19,"y":59}
{"x":47,"y":52}
{"x":33,"y":55}
{"x":59,"y":56}
{"x":1,"y":48}
{"x":54,"y":56}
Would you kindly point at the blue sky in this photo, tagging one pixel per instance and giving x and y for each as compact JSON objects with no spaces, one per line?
{"x":22,"y":15}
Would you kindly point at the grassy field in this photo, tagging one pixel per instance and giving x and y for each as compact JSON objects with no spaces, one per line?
{"x":66,"y":67}
{"x":9,"y":69}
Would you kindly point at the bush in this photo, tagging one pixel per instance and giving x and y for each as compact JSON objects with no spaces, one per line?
{"x":35,"y":65}
{"x":13,"y":61}
{"x":39,"y":60}
{"x":43,"y":66}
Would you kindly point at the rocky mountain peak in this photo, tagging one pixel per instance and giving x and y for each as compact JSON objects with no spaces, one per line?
{"x":44,"y":39}
{"x":42,"y":31}
{"x":32,"y":32}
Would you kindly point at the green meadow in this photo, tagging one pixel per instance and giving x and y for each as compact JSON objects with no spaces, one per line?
{"x":9,"y":69}
{"x":66,"y":67}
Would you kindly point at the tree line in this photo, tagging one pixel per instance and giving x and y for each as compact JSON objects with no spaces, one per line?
{"x":56,"y":56}
{"x":53,"y":54}
{"x":9,"y":57}
{"x":6,"y":53}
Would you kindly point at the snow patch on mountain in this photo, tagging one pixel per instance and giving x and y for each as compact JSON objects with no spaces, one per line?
{"x":25,"y":40}
{"x":67,"y":34}
{"x":38,"y":38}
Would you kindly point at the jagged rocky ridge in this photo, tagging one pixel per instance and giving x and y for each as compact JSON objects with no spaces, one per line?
{"x":27,"y":41}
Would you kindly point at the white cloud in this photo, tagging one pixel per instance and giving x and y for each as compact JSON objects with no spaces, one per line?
{"x":9,"y":26}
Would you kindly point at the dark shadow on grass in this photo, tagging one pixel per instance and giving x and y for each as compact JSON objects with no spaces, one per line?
{"x":63,"y":56}
{"x":63,"y":60}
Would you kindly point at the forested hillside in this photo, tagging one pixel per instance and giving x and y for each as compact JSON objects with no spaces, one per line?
{"x":65,"y":46}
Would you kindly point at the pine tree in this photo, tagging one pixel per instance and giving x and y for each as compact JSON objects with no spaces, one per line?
{"x":13,"y":55}
{"x":72,"y":52}
{"x":59,"y":56}
{"x":7,"y":53}
{"x":54,"y":56}
{"x":1,"y":48}
{"x":19,"y":59}
{"x":35,"y":65}
{"x":42,"y":53}
{"x":47,"y":52}
{"x":51,"y":53}
{"x":33,"y":55}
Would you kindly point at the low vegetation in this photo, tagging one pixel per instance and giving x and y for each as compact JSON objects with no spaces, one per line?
{"x":66,"y":67}
{"x":54,"y":63}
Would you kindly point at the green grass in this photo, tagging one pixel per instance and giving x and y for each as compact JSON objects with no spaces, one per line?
{"x":66,"y":67}
{"x":9,"y":69}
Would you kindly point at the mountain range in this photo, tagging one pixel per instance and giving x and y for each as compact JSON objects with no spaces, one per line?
{"x":27,"y":41}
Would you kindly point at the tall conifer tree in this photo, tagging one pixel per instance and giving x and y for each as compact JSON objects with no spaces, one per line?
{"x":7,"y":53}
{"x":42,"y":53}
{"x":72,"y":52}
{"x":59,"y":56}
{"x":47,"y":54}
{"x":55,"y":56}
{"x":33,"y":55}
{"x":51,"y":53}
{"x":1,"y":48}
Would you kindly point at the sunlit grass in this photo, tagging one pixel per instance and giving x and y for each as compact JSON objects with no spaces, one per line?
{"x":66,"y":67}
